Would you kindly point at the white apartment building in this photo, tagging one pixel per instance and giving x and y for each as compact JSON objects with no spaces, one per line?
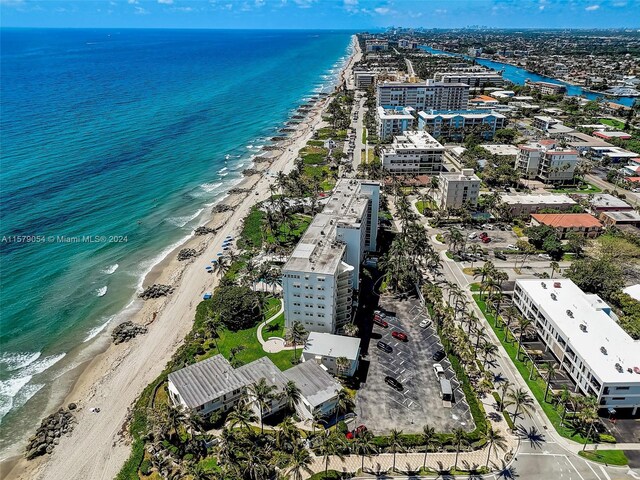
{"x":394,"y":121}
{"x":456,"y":189}
{"x":364,"y":78}
{"x":598,"y":355}
{"x":544,"y":123}
{"x":428,"y":95}
{"x":545,"y":162}
{"x":477,"y":79}
{"x":376,"y":45}
{"x":456,"y":124}
{"x":319,"y":278}
{"x":415,"y":153}
{"x":524,"y":204}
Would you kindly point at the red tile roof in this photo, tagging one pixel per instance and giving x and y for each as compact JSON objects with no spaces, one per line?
{"x":633,"y":179}
{"x":567,"y":220}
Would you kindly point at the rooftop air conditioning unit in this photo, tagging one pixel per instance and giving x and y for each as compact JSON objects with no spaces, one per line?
{"x":554,"y":296}
{"x":583,"y":327}
{"x":557,"y":285}
{"x":603,"y":350}
{"x":544,"y":285}
{"x":570,"y":313}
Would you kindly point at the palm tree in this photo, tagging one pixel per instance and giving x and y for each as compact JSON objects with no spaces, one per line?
{"x":565,"y":400}
{"x":555,"y":267}
{"x":262,"y":394}
{"x":522,"y":401}
{"x":364,"y":446}
{"x":344,"y":403}
{"x":459,"y":439}
{"x":287,"y":434}
{"x":350,"y":329}
{"x":242,"y":414}
{"x":494,"y":439}
{"x":395,"y":442}
{"x":589,"y":416}
{"x":489,"y":352}
{"x":524,"y":325}
{"x":221,"y":266}
{"x":504,"y":388}
{"x":429,"y":439}
{"x":292,"y":394}
{"x":486,"y":270}
{"x":300,"y":461}
{"x":330,"y":444}
{"x":552,"y":371}
{"x":296,"y":334}
{"x":213,"y":324}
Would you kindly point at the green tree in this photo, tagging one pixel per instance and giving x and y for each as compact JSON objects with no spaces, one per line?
{"x":364,"y":445}
{"x":262,"y":394}
{"x":330,"y":444}
{"x":494,"y":440}
{"x":395,"y":443}
{"x":238,"y":306}
{"x":459,"y":439}
{"x":300,"y":461}
{"x":428,"y":439}
{"x":344,"y":403}
{"x":599,"y":275}
{"x":292,"y":395}
{"x":242,"y":415}
{"x":552,"y":371}
{"x":522,"y":401}
{"x":296,"y":334}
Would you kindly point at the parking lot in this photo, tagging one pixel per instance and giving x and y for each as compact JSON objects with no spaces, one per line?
{"x":382,"y":408}
{"x":499,"y":238}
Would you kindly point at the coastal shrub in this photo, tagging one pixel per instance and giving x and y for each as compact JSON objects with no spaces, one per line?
{"x":129,"y":470}
{"x":496,"y":397}
{"x":251,"y":234}
{"x":507,"y":418}
{"x":605,"y":438}
{"x":238,"y":306}
{"x":145,"y":467}
{"x":342,"y":427}
{"x":475,"y":407}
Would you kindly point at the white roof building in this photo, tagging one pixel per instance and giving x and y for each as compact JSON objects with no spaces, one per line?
{"x":591,"y":347}
{"x":526,"y":204}
{"x":633,"y":291}
{"x":501,"y":150}
{"x":325,"y":349}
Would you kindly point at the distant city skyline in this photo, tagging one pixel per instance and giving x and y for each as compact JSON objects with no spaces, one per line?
{"x":321,"y":14}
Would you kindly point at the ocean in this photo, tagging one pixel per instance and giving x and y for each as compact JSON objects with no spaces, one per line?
{"x":114,"y":146}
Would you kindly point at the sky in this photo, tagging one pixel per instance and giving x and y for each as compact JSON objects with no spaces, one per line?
{"x":320,"y":14}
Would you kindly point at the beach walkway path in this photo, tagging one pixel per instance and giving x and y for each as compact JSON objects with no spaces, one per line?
{"x":273,"y":344}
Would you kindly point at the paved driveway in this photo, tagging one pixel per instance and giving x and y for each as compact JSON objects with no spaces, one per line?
{"x":380,"y":407}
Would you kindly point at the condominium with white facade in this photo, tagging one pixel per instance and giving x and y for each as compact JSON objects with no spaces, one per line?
{"x":394,"y":121}
{"x":543,"y":161}
{"x":456,"y":189}
{"x":427,"y":95}
{"x":577,"y":328}
{"x":456,"y":124}
{"x":473,"y":79}
{"x":319,"y":278}
{"x":415,"y":153}
{"x":364,"y":78}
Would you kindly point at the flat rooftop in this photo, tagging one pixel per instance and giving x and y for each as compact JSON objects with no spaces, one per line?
{"x":449,"y":114}
{"x":537,"y":199}
{"x":318,"y":250}
{"x":328,"y":345}
{"x":502,"y":150}
{"x":626,"y":216}
{"x":600,"y":329}
{"x":413,"y":141}
{"x":606,"y":200}
{"x":315,"y":384}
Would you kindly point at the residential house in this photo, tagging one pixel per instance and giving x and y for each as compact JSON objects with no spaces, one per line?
{"x":565,"y":223}
{"x":326,"y":349}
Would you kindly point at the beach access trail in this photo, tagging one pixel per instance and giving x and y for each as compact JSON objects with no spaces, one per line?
{"x":98,"y":446}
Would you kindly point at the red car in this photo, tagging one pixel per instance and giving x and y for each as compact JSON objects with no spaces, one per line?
{"x":359,"y":430}
{"x":483,"y":235}
{"x":486,"y":239}
{"x":400,"y":336}
{"x":379,"y":321}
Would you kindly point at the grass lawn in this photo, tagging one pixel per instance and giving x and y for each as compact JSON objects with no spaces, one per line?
{"x":364,"y":136}
{"x":274,"y":329}
{"x":255,"y":226}
{"x":609,"y":457}
{"x":315,"y":143}
{"x":587,"y":188}
{"x":420,"y":205}
{"x":612,"y":123}
{"x":537,"y":385}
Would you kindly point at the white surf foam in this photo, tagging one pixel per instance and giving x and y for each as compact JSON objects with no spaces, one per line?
{"x":8,"y":390}
{"x":210,"y":187}
{"x":182,"y":221}
{"x":110,"y":269}
{"x":16,"y":361}
{"x":102,"y":291}
{"x":95,"y":331}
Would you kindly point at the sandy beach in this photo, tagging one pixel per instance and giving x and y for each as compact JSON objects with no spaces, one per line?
{"x":112,"y":381}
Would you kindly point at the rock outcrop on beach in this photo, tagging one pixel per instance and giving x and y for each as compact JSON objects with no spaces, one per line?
{"x":221,"y":208}
{"x":278,"y":139}
{"x":271,"y":147}
{"x":156,"y":290}
{"x":126,"y":331}
{"x":238,"y":190}
{"x":202,"y":230}
{"x":247,"y":172}
{"x":48,"y":434}
{"x":186,"y":254}
{"x":262,"y":159}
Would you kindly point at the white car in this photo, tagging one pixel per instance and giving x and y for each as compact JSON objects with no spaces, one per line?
{"x":425,"y":323}
{"x":545,"y":256}
{"x":438,"y":370}
{"x":512,"y":247}
{"x":473,"y":235}
{"x":487,"y":226}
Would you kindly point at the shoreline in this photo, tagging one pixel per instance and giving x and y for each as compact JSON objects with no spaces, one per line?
{"x":113,"y":379}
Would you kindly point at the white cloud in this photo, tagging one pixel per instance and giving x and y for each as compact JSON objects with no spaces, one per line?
{"x":141,"y":11}
{"x":132,"y":2}
{"x":541,"y":7}
{"x":440,"y":11}
{"x":592,"y":8}
{"x":259,"y":3}
{"x":166,"y":2}
{"x":304,"y":3}
{"x":381,"y":10}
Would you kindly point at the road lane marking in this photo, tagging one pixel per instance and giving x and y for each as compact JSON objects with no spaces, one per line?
{"x":604,"y":472}
{"x":591,"y":468}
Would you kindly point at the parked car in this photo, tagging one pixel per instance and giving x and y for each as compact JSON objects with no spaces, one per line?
{"x":439,"y":355}
{"x":384,"y":347}
{"x":486,"y":240}
{"x":378,"y":321}
{"x":500,"y":255}
{"x":512,"y":247}
{"x":473,"y":235}
{"x":379,"y":313}
{"x":393,"y":382}
{"x":438,"y":370}
{"x":488,"y":226}
{"x":545,"y":256}
{"x":425,"y":323}
{"x":400,"y":336}
{"x":356,"y":432}
{"x":483,"y":235}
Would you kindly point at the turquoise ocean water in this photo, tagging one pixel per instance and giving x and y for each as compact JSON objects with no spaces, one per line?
{"x":131,"y":134}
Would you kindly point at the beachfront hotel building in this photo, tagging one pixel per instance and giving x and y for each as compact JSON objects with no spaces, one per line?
{"x":394,"y":121}
{"x":544,"y":161}
{"x":456,"y":124}
{"x":477,"y":79}
{"x":213,"y":385}
{"x":320,"y":277}
{"x":413,"y":153}
{"x":429,"y":95}
{"x":577,"y":328}
{"x":456,"y":189}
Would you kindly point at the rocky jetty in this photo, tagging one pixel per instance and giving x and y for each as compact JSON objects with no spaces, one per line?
{"x":247,"y":172}
{"x":278,"y":139}
{"x":48,"y":434}
{"x":262,"y":159}
{"x":221,"y":208}
{"x":156,"y":290}
{"x":186,"y":254}
{"x":299,"y":117}
{"x":271,"y":147}
{"x":287,"y":130}
{"x":204,"y":231}
{"x":238,"y":190}
{"x":126,"y":331}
